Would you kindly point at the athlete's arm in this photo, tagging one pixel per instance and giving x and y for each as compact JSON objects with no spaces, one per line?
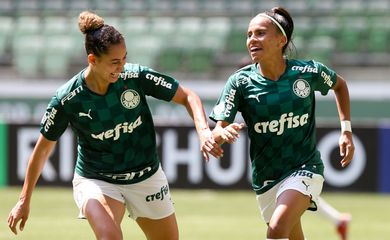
{"x":347,"y":147}
{"x":40,"y":154}
{"x":194,"y":106}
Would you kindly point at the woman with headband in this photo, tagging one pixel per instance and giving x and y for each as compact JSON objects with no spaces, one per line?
{"x":275,"y":96}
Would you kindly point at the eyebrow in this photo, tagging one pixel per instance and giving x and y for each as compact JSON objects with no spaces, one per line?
{"x":117,"y":59}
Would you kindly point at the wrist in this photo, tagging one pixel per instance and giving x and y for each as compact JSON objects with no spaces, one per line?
{"x":346,"y":126}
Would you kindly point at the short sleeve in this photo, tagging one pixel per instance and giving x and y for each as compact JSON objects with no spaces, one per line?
{"x":227,"y":105}
{"x":54,"y":121}
{"x":158,"y":85}
{"x":325,"y":79}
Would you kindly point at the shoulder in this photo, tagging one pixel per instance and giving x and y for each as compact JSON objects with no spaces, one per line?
{"x":135,"y":71}
{"x":135,"y":68}
{"x":305,"y":66}
{"x":242,"y":75}
{"x":71,"y":88}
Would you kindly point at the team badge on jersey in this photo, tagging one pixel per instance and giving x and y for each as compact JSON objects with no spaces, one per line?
{"x":130,"y":99}
{"x":301,"y":88}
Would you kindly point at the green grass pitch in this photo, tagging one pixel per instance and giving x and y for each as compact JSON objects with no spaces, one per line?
{"x":201,"y":215}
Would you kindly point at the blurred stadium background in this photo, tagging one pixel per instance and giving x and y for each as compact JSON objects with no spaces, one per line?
{"x":200,"y":42}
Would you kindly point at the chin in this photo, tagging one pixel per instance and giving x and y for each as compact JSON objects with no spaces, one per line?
{"x":113,"y":80}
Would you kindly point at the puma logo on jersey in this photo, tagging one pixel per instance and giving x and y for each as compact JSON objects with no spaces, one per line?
{"x":306,"y":185}
{"x":88,"y":115}
{"x":257,"y":96}
{"x":115,"y":133}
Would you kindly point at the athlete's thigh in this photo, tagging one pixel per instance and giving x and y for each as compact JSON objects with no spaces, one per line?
{"x":105,"y":215}
{"x":290,"y":206}
{"x":159,"y":229}
{"x":101,"y":203}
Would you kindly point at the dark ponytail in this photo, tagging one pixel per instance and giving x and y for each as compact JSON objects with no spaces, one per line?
{"x":98,"y":36}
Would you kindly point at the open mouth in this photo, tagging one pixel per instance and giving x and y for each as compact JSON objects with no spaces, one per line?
{"x":255,"y":49}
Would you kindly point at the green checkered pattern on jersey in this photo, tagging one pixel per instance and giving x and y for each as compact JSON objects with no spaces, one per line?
{"x":115,"y":132}
{"x":280,"y":116}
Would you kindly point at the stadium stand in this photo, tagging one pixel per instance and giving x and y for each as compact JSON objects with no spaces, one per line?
{"x":40,"y":38}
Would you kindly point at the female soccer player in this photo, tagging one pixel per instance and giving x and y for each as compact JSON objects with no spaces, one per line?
{"x":117,"y":165}
{"x":276,"y":98}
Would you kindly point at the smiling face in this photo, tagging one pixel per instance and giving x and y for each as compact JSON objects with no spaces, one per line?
{"x":264,"y":40}
{"x":108,"y":66}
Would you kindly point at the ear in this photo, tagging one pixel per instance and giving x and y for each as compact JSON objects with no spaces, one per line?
{"x":91,"y":59}
{"x":283,"y":40}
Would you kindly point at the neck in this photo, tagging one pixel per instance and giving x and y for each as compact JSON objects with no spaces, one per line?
{"x":272,"y":69}
{"x":94,"y":83}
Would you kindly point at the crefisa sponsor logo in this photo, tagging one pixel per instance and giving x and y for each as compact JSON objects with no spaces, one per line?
{"x":158,"y":195}
{"x":127,"y":75}
{"x":305,"y":68}
{"x":48,"y":119}
{"x":230,"y":102}
{"x":285,"y":121}
{"x":326,"y":78}
{"x":115,"y":133}
{"x":159,"y":81}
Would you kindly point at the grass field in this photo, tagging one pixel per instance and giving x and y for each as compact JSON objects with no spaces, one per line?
{"x":202,"y":215}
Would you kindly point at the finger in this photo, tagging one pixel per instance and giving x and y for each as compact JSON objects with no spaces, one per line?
{"x":237,"y":126}
{"x":210,"y":146}
{"x":232,"y":131}
{"x":217,"y":152}
{"x":230,"y":138}
{"x":342,"y":149}
{"x":345,"y":162}
{"x":348,"y":155}
{"x":205,"y":156}
{"x":12,"y":225}
{"x":214,"y":149}
{"x":22,"y":223}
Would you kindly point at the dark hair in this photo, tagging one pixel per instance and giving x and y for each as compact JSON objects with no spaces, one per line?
{"x":98,"y":36}
{"x":283,"y":17}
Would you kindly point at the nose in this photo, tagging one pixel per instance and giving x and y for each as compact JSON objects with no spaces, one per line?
{"x":250,"y":40}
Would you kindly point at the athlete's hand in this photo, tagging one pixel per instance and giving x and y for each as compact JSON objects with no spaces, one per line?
{"x":230,"y":133}
{"x":347,"y":148}
{"x":209,"y":145}
{"x":19,"y":212}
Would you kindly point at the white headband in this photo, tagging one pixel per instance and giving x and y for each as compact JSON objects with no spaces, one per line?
{"x":276,"y":22}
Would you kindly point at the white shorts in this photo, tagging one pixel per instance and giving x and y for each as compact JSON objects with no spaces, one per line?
{"x":150,"y":198}
{"x":303,"y":181}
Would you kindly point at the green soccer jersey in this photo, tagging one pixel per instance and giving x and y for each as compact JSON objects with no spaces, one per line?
{"x":279,"y":116}
{"x":115,"y":132}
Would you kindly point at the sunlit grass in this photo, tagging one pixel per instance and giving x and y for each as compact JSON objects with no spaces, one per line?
{"x":201,"y":214}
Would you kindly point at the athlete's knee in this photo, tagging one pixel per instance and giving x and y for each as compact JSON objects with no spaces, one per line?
{"x":276,"y":230}
{"x":110,"y":235}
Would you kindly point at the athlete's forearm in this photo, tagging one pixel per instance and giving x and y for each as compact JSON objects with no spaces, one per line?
{"x":194,"y":107}
{"x":342,"y":99}
{"x":40,"y":154}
